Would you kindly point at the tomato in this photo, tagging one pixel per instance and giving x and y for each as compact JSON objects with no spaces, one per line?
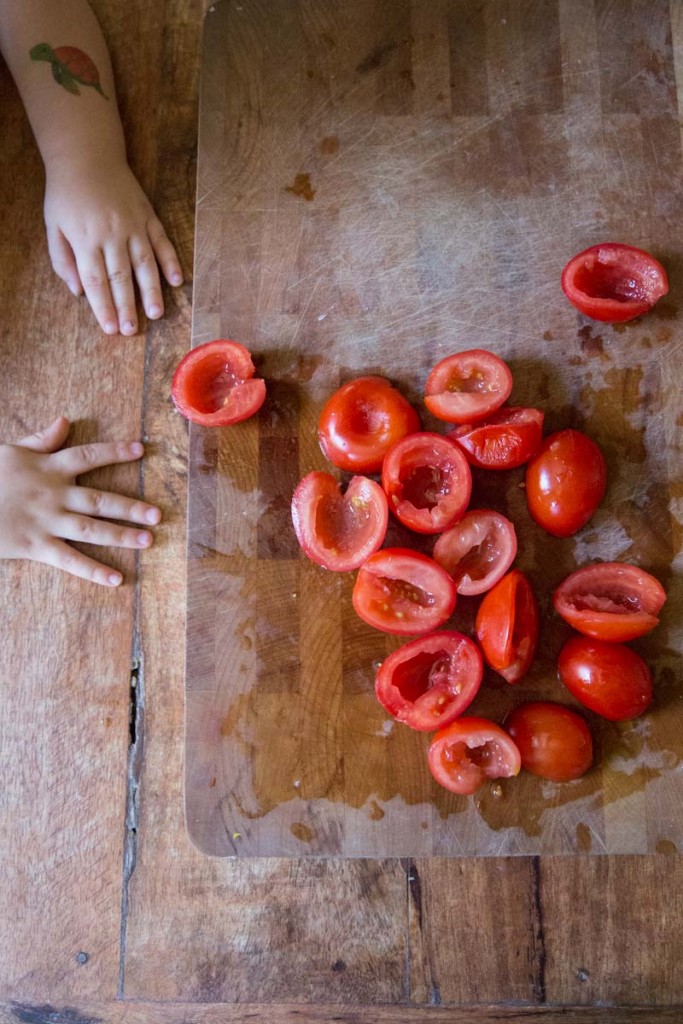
{"x":402,"y":591}
{"x":477,"y":551}
{"x":468,"y":752}
{"x":214,"y":384}
{"x":467,"y":386}
{"x":427,"y":481}
{"x":505,"y":440}
{"x":614,"y":282}
{"x":565,"y":482}
{"x":507,"y":626}
{"x":553,"y":740}
{"x":608,"y":678}
{"x":339,"y":532}
{"x":361,"y":421}
{"x":610,"y":601}
{"x":428,"y":682}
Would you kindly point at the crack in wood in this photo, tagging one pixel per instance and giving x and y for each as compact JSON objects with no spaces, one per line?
{"x":538,"y":956}
{"x":45,"y":1013}
{"x":135,"y":751}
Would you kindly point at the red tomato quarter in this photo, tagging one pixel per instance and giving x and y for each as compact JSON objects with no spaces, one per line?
{"x":468,"y":752}
{"x":565,"y":482}
{"x":477,"y":551}
{"x":507,"y":626}
{"x":339,"y":531}
{"x":467,"y":386}
{"x":427,"y":481}
{"x":402,"y":591}
{"x":361,"y":421}
{"x":554,"y":741}
{"x":428,"y":682}
{"x":214,"y":384}
{"x":610,"y":679}
{"x":610,"y":601}
{"x":614,"y":282}
{"x":505,"y":440}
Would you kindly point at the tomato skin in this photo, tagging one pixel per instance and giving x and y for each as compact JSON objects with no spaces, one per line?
{"x":477,"y":551}
{"x":610,"y":601}
{"x":430,"y":681}
{"x":427,"y":481}
{"x":361,"y":421}
{"x":339,"y":532}
{"x":470,"y":750}
{"x":403,"y":592}
{"x":214,"y":384}
{"x":612,"y":282}
{"x":467,"y":386}
{"x":565,"y":482}
{"x":609,"y":679}
{"x":507,"y":626}
{"x":505,"y":440}
{"x":554,"y":741}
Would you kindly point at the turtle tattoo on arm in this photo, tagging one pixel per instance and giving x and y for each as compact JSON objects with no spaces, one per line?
{"x":70,"y":67}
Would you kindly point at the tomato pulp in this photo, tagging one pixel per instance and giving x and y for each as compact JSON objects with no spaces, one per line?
{"x":477,"y":551}
{"x":610,"y":679}
{"x":214,"y":384}
{"x":427,"y":481}
{"x":554,"y":741}
{"x":505,"y":440}
{"x":467,"y":386}
{"x":402,"y":591}
{"x":613,"y":282}
{"x":469,"y":751}
{"x":610,"y":601}
{"x":507,"y":626}
{"x":565,"y":482}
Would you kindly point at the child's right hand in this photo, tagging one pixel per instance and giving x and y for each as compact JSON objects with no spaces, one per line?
{"x":42,"y":506}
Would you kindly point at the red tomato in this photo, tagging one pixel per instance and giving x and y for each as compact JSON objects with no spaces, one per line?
{"x":608,"y":678}
{"x":467,"y":386}
{"x":402,"y":591}
{"x":565,"y":482}
{"x":361,"y":421}
{"x":614,"y":282}
{"x":507,"y":626}
{"x":214,"y":384}
{"x":610,"y":601}
{"x":428,"y":682}
{"x":339,"y":532}
{"x":554,"y":741}
{"x":468,"y":752}
{"x":505,"y":440}
{"x":477,"y":551}
{"x":427,"y":481}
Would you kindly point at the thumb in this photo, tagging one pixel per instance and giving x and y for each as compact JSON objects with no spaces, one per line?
{"x":48,"y":440}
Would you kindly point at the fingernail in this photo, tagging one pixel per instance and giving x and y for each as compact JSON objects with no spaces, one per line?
{"x":154,"y":312}
{"x":129,"y":327}
{"x":74,"y":289}
{"x":176,"y":277}
{"x":136,"y":449}
{"x":144,"y":539}
{"x":111,"y":327}
{"x":152,"y":515}
{"x":115,"y":578}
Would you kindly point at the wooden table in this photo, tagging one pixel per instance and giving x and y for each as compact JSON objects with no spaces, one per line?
{"x":110,"y":913}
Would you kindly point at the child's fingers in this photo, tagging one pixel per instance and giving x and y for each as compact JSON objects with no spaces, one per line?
{"x":99,"y":531}
{"x":93,"y":274}
{"x":62,"y":556}
{"x":74,"y":461}
{"x":105,"y":505}
{"x":48,"y":440}
{"x":63,"y":260}
{"x":147,"y":276}
{"x":120,"y":277}
{"x":165,"y":252}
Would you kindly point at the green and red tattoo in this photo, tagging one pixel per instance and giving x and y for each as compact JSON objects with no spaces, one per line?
{"x":70,"y":66}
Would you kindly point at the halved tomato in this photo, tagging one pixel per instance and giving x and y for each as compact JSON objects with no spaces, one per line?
{"x":468,"y":386}
{"x":477,"y":551}
{"x":214,"y":384}
{"x":507,"y":626}
{"x":610,"y":601}
{"x":505,"y":440}
{"x":554,"y":741}
{"x":427,"y":481}
{"x":428,"y":682}
{"x":469,"y":751}
{"x":339,"y":531}
{"x":610,"y":679}
{"x":613,"y":282}
{"x":565,"y":482}
{"x":402,"y":591}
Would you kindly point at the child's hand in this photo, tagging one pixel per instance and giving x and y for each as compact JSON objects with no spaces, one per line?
{"x":102,"y":233}
{"x":40,"y":503}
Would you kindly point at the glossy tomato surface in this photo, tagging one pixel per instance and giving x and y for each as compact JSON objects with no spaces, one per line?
{"x":428,"y":482}
{"x":214,"y":384}
{"x":477,"y":551}
{"x":505,"y":440}
{"x":469,"y":751}
{"x":608,"y":678}
{"x":553,"y":740}
{"x":613,"y":282}
{"x":428,"y":682}
{"x":507,"y":626}
{"x":361,"y":421}
{"x":404,"y":592}
{"x":468,"y":386}
{"x":339,"y":531}
{"x":565,"y":482}
{"x":610,"y":601}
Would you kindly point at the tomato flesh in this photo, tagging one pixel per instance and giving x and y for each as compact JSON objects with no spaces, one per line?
{"x":427,"y":481}
{"x":403,"y":592}
{"x":477,"y":551}
{"x":428,"y":682}
{"x":470,"y":750}
{"x":613,"y":282}
{"x":610,"y":679}
{"x":610,"y":601}
{"x":467,"y":386}
{"x":554,"y":741}
{"x":507,"y":626}
{"x":565,"y":482}
{"x":505,"y":440}
{"x":214,"y":385}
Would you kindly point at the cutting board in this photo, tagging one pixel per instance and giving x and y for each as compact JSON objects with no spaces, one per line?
{"x":381,"y":184}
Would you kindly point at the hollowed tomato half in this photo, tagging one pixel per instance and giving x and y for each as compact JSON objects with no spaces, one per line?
{"x":610,"y":601}
{"x":467,"y":386}
{"x":214,"y":384}
{"x":613,"y":282}
{"x":427,"y":481}
{"x":404,"y":592}
{"x":469,"y":751}
{"x":477,"y":551}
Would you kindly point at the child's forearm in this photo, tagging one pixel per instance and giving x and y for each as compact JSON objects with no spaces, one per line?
{"x":59,"y":60}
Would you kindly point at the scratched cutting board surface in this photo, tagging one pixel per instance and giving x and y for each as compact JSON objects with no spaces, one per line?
{"x":381,"y":184}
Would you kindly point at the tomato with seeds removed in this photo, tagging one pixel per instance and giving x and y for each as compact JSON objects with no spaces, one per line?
{"x":565,"y":482}
{"x":610,"y":679}
{"x":214,"y":384}
{"x":553,"y":740}
{"x":507,"y":626}
{"x":402,"y":591}
{"x":613,"y":282}
{"x":610,"y":601}
{"x":505,"y":440}
{"x":477,"y":551}
{"x":467,"y":386}
{"x":470,"y":750}
{"x":428,"y":482}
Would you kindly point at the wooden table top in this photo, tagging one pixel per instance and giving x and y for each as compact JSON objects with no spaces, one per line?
{"x":111,"y":913}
